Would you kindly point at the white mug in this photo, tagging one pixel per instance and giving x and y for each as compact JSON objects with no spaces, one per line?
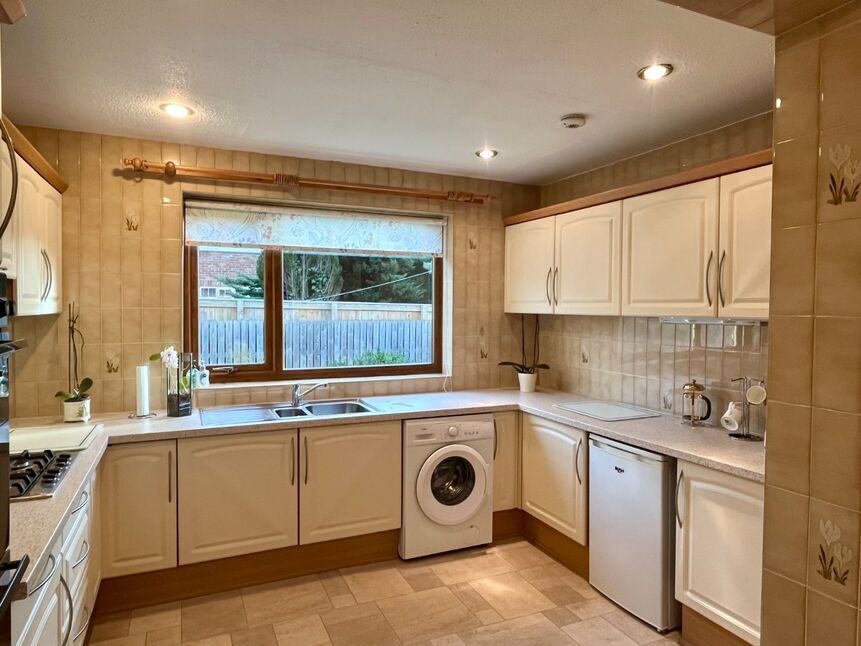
{"x":731,"y":419}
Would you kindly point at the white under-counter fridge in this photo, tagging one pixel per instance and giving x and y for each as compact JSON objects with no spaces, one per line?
{"x":631,"y":530}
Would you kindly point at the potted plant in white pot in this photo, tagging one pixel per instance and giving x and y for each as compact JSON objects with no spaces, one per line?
{"x":527,"y":373}
{"x":76,"y":400}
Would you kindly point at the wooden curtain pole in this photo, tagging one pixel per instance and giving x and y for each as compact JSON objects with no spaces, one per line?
{"x":170,"y":169}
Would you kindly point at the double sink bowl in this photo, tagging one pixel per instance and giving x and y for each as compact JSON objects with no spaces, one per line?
{"x":273,"y":412}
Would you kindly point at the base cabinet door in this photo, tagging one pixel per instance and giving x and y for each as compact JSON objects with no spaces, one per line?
{"x":138,"y":507}
{"x":669,"y":252}
{"x":554,"y":476}
{"x":506,"y":462}
{"x":588,"y":261}
{"x":529,"y":250}
{"x":744,"y":265}
{"x":350,"y":480}
{"x":719,"y":548}
{"x":238,"y":494}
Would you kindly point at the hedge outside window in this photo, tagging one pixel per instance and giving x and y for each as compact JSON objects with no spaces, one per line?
{"x":296,"y":292}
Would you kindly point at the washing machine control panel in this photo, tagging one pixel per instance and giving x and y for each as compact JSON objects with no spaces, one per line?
{"x":453,"y":431}
{"x":463,"y":428}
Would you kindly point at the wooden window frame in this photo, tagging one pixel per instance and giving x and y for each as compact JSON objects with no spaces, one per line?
{"x":272,"y":369}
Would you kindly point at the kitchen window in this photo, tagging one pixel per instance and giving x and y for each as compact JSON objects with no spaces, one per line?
{"x":302,"y":292}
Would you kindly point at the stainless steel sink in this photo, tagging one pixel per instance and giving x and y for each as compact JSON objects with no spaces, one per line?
{"x":347,"y":407}
{"x":230,"y":416}
{"x":290,"y":411}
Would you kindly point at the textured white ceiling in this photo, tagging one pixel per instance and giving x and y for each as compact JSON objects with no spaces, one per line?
{"x":417,"y":84}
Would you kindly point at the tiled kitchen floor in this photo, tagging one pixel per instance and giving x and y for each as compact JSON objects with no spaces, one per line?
{"x":511,"y":593}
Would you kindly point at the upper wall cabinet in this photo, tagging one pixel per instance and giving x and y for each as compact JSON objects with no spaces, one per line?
{"x":529,"y":263}
{"x":586,"y":276}
{"x":9,"y":241}
{"x":567,"y":264}
{"x":745,"y":244}
{"x":669,"y":251}
{"x":38,"y":221}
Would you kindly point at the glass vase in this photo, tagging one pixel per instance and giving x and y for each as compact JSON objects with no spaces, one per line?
{"x":178,"y":384}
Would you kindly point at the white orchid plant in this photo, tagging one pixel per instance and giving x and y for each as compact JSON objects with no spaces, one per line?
{"x":169,"y":358}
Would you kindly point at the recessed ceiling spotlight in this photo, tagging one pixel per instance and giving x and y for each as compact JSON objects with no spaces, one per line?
{"x":176,"y":110}
{"x":486,"y":153}
{"x":655,"y":72}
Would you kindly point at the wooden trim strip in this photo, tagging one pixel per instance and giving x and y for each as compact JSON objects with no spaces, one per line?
{"x":565,"y":550}
{"x":11,"y":11}
{"x":28,"y":153}
{"x":702,"y":631}
{"x":687,"y":176}
{"x":170,"y":169}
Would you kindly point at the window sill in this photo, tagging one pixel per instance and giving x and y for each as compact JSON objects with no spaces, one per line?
{"x":239,"y":385}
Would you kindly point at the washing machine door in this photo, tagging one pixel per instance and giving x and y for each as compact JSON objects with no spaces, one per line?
{"x":452,"y":484}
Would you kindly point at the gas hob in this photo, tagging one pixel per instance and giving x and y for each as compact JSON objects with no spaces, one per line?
{"x":36,"y":474}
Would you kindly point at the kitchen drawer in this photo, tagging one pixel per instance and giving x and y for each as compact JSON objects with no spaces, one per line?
{"x":43,"y":583}
{"x":76,"y":552}
{"x":82,"y":504}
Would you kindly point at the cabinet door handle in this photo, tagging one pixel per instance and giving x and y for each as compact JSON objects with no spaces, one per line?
{"x":720,"y":278}
{"x":292,"y":461}
{"x":170,"y":476}
{"x":555,"y":282}
{"x":547,"y":286}
{"x":44,"y":292}
{"x":708,"y":274}
{"x":678,"y":487}
{"x":50,"y":275}
{"x":577,"y":461}
{"x":495,"y":437}
{"x":84,"y":557}
{"x":68,"y":631}
{"x":85,"y":498}
{"x":84,"y":627}
{"x":13,"y":163}
{"x":306,"y":459}
{"x":48,"y":577}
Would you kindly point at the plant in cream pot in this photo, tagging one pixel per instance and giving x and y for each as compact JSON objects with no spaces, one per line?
{"x":527,"y":373}
{"x":76,"y":400}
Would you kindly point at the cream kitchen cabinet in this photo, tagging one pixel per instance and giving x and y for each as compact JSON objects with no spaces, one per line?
{"x":9,"y":242}
{"x":237,"y":494}
{"x":719,"y":520}
{"x":588,"y":263}
{"x":38,"y":217}
{"x":138,"y":508}
{"x":350,"y":480}
{"x":744,"y":260}
{"x":554,"y":475}
{"x":669,"y":251}
{"x":506,"y":462}
{"x":567,"y":264}
{"x":529,"y":264}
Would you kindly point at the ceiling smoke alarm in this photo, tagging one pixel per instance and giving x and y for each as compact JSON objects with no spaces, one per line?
{"x":573,"y":121}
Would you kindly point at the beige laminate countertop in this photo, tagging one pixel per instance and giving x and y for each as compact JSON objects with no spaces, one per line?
{"x":36,"y":524}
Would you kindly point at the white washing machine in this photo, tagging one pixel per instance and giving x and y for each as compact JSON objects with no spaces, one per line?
{"x":448,"y":484}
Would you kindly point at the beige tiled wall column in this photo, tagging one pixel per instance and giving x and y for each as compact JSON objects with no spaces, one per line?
{"x":813,"y":466}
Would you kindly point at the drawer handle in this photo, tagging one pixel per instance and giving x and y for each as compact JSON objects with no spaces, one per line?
{"x":50,"y":575}
{"x":85,"y":498}
{"x":84,"y":627}
{"x":678,"y":487}
{"x":84,"y":557}
{"x":577,"y":461}
{"x":68,"y":632}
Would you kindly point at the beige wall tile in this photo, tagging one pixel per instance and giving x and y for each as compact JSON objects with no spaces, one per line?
{"x":790,"y":358}
{"x":839,"y":179}
{"x":797,"y":87}
{"x":840,"y":81}
{"x":785,"y":533}
{"x":833,"y":551}
{"x":835,"y":469}
{"x":795,"y":172}
{"x":838,"y":268}
{"x":829,"y":622}
{"x":783,"y":616}
{"x":788,"y":455}
{"x":793,"y":253}
{"x":837,"y":364}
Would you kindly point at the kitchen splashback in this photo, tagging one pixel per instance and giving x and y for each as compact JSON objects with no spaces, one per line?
{"x":645,"y":361}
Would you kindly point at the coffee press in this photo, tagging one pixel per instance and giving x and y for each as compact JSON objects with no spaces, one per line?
{"x":693,"y":395}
